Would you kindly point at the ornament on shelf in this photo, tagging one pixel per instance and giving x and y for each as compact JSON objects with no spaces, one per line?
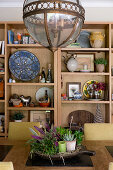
{"x":98,"y":118}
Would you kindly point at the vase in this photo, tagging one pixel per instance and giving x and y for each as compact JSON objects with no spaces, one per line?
{"x":100,"y":67}
{"x":18,"y":120}
{"x":97,"y":95}
{"x":96,"y":39}
{"x":70,"y":145}
{"x":62,"y":146}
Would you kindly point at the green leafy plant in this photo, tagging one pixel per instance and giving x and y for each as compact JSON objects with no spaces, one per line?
{"x":79,"y":137}
{"x":18,"y":116}
{"x":100,"y":61}
{"x":68,"y":137}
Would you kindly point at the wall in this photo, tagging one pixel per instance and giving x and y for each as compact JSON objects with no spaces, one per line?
{"x":92,"y":14}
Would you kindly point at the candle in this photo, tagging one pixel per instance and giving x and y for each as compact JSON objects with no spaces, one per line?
{"x":62,"y":146}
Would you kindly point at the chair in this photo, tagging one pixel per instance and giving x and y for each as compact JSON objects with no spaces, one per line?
{"x":78,"y":118}
{"x":20,"y":130}
{"x":6,"y":166}
{"x":110,"y":166}
{"x":98,"y":131}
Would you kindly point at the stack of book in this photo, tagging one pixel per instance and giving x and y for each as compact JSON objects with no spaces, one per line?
{"x":76,"y":45}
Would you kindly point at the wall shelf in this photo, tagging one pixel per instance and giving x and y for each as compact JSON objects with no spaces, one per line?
{"x":30,"y":84}
{"x":30,"y":108}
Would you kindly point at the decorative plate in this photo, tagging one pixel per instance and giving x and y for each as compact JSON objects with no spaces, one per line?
{"x":41,"y":93}
{"x":87,"y":86}
{"x":24,"y":65}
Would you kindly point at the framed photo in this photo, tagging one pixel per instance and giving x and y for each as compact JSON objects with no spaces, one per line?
{"x":40,"y":116}
{"x":25,"y":39}
{"x":73,"y":87}
{"x":85,"y":61}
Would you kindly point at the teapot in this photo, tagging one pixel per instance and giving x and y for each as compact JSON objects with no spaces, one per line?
{"x":77,"y":95}
{"x":71,"y":63}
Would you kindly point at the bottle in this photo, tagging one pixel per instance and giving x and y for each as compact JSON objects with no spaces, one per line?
{"x":43,"y":75}
{"x":46,"y":95}
{"x":49,"y":75}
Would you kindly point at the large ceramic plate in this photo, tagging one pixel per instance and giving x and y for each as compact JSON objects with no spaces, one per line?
{"x":41,"y":93}
{"x":87,"y":86}
{"x":24,"y":65}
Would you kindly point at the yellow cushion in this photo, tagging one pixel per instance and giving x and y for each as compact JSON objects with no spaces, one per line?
{"x":6,"y":166}
{"x":20,"y":130}
{"x":111,"y":166}
{"x":98,"y":131}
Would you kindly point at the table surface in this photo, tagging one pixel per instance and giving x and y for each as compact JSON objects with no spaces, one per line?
{"x":19,"y":154}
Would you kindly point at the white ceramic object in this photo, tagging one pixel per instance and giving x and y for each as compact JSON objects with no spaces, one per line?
{"x":72,"y":64}
{"x":18,"y":120}
{"x":70,"y":145}
{"x":41,"y":93}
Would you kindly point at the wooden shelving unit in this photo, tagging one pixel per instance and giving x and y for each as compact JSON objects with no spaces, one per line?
{"x":61,"y":109}
{"x":45,"y":57}
{"x":65,"y":107}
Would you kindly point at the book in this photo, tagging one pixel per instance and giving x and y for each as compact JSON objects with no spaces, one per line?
{"x":10,"y":37}
{"x":3,"y":48}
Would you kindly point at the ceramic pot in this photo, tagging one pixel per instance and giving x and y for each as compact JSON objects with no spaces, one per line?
{"x":62,"y":146}
{"x":100,"y":67}
{"x":96,"y":39}
{"x":70,"y":145}
{"x":72,"y":64}
{"x":18,"y":120}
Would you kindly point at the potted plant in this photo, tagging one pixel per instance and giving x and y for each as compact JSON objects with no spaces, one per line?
{"x":70,"y":140}
{"x":18,"y":116}
{"x":100,"y":64}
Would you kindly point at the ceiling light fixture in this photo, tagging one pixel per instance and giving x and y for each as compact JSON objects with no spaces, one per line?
{"x":53,"y":23}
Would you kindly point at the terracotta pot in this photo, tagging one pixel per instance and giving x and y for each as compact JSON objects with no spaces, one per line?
{"x":18,"y":120}
{"x":100,"y":67}
{"x":70,"y":145}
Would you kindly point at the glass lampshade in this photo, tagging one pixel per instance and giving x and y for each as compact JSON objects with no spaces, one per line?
{"x":53,"y":23}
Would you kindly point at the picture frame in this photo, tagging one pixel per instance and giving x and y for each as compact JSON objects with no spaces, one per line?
{"x":40,"y":116}
{"x":85,"y":59}
{"x":71,"y":87}
{"x":25,"y":39}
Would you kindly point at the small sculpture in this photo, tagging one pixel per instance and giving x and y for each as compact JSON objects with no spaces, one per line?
{"x":25,"y":100}
{"x":71,"y":63}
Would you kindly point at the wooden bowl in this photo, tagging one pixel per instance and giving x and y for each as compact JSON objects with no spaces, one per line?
{"x":44,"y":104}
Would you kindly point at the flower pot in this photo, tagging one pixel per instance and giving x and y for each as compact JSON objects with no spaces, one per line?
{"x":62,"y":146}
{"x":96,"y":39}
{"x":70,"y":145}
{"x":100,"y":67}
{"x":18,"y":120}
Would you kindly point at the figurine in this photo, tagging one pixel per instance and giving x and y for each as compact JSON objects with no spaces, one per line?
{"x":25,"y":100}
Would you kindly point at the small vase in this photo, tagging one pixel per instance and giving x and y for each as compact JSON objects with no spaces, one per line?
{"x":100,"y":67}
{"x":70,"y":145}
{"x":18,"y":120}
{"x":62,"y":146}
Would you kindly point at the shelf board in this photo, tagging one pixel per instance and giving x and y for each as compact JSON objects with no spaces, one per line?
{"x":2,"y":73}
{"x":2,"y":56}
{"x":84,"y":49}
{"x":30,"y":108}
{"x":85,"y":101}
{"x":2,"y":134}
{"x":30,"y":84}
{"x":24,"y":45}
{"x":83,"y":73}
{"x":1,"y":101}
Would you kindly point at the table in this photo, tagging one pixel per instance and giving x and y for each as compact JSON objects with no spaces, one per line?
{"x":19,"y":154}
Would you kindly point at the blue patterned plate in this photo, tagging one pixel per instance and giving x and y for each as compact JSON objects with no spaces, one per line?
{"x":24,"y":65}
